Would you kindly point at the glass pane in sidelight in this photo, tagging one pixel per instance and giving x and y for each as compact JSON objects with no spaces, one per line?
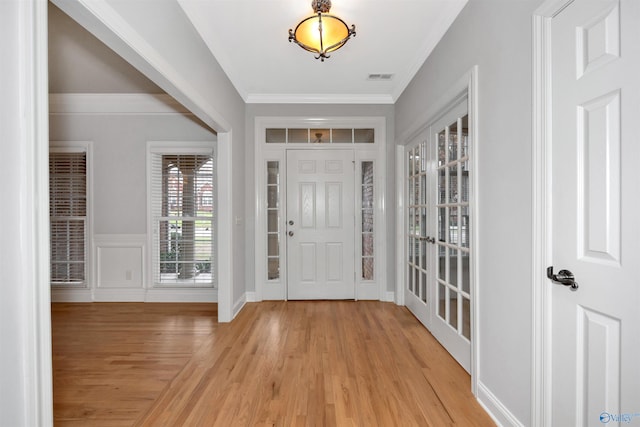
{"x":273,"y":241}
{"x":367,"y":268}
{"x":367,"y":245}
{"x":272,"y":197}
{"x":272,"y":221}
{"x":367,"y":220}
{"x":273,"y":173}
{"x":273,"y":268}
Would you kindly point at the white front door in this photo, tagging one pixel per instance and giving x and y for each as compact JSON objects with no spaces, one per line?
{"x":595,"y":225}
{"x":320,"y":224}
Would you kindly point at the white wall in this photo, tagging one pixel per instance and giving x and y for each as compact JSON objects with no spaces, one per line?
{"x":316,"y":110}
{"x":495,"y":35}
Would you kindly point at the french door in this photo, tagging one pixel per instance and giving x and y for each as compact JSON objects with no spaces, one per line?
{"x":438,"y":285}
{"x":320,"y":224}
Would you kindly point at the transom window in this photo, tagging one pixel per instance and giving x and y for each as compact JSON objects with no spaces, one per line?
{"x":320,"y":136}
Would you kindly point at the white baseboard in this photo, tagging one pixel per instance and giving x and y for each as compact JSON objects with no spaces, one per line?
{"x":182,"y":295}
{"x":118,"y":295}
{"x":496,"y":410}
{"x":134,"y":295}
{"x":250,"y":297}
{"x":71,"y":295}
{"x":239,"y":304}
{"x":389,"y":296}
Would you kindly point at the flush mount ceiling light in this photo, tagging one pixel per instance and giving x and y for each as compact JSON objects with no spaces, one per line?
{"x":321,"y":33}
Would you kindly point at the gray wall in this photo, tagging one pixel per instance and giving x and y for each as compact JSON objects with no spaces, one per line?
{"x":174,"y":57}
{"x":119,"y":161}
{"x":313,"y":110}
{"x":495,"y":35}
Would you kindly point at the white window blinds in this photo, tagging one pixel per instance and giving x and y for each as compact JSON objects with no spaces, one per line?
{"x":68,"y":217}
{"x":183,"y":213}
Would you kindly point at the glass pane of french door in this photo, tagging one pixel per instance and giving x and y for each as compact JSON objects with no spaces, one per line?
{"x":417,"y":221}
{"x":453,"y":277}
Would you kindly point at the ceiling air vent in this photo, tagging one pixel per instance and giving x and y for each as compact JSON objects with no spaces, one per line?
{"x":380,"y":77}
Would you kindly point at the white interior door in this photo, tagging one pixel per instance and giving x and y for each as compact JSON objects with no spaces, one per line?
{"x":320,"y":224}
{"x":595,"y":233}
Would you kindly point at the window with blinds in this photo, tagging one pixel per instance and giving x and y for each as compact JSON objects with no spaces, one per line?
{"x":183,"y":210}
{"x":68,"y":217}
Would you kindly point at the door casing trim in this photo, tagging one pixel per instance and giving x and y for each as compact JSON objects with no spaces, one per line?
{"x":541,"y":208}
{"x":276,"y":290}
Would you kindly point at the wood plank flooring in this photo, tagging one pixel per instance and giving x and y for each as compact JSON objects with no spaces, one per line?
{"x":317,"y":363}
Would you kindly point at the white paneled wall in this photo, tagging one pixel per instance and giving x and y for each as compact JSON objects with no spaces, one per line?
{"x":119,"y":261}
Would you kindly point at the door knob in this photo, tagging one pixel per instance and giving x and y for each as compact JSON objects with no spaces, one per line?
{"x":564,"y":277}
{"x":291,"y":233}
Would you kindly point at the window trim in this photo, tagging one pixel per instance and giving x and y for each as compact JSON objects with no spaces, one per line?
{"x":365,"y":289}
{"x":184,"y":148}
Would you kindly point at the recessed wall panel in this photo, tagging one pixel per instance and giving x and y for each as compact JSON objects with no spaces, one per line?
{"x":308,"y":259}
{"x":306,"y":167}
{"x":599,"y":207}
{"x":598,"y":363}
{"x":598,"y":41}
{"x":335,"y":260}
{"x":333,"y":204}
{"x":333,"y":167}
{"x":307,"y":205}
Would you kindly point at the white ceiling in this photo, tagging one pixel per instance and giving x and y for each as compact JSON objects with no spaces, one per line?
{"x":249,"y":38}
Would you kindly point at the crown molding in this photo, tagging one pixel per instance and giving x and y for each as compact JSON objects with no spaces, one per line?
{"x":114,"y":103}
{"x":319,"y":99}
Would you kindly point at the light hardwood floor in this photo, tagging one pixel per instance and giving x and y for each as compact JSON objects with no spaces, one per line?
{"x":315,"y":363}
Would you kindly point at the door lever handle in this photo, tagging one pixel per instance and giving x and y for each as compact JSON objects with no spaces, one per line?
{"x":564,"y":277}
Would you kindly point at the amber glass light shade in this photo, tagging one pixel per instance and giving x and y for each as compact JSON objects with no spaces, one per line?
{"x":322,"y":34}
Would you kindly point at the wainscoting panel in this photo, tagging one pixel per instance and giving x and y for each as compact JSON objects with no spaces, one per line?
{"x":119,"y":261}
